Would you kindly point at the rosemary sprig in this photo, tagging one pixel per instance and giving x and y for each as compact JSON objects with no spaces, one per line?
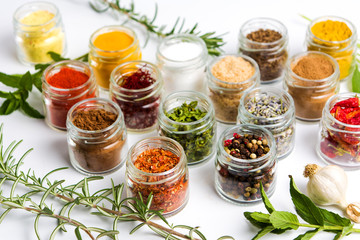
{"x":213,"y":42}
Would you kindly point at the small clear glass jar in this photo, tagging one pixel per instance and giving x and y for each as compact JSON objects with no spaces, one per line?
{"x":271,"y":56}
{"x":181,"y":59}
{"x":197,"y":138}
{"x":139,"y":106}
{"x":282,"y":126}
{"x":225,"y":96}
{"x":339,"y":143}
{"x":58,"y":101}
{"x":170,"y":189}
{"x":103,"y":62}
{"x":238,"y":180}
{"x":310,"y":95}
{"x":344,"y":52}
{"x":97,"y":152}
{"x":38,"y":30}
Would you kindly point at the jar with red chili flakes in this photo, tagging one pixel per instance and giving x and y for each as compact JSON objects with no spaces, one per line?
{"x":64,"y":84}
{"x":137,"y":87}
{"x":339,"y":138}
{"x":157,"y":166}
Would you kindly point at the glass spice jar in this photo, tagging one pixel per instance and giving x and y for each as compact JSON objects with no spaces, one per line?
{"x":344,"y":52}
{"x":237,"y":179}
{"x":197,"y":136}
{"x":273,"y":109}
{"x":101,"y":151}
{"x":140,"y":106}
{"x":38,"y":30}
{"x":339,"y":142}
{"x":57,"y":101}
{"x":224,"y":95}
{"x":181,"y":59}
{"x":269,"y":53}
{"x":108,"y":49}
{"x":170,"y":188}
{"x":310,"y":95}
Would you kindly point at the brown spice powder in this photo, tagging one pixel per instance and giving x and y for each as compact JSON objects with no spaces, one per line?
{"x":314,"y":67}
{"x":264,"y":36}
{"x":94,"y":119}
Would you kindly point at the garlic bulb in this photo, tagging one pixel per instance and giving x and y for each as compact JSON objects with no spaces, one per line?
{"x":327,"y":186}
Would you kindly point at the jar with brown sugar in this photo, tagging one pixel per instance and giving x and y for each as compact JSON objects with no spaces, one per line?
{"x":311,"y":78}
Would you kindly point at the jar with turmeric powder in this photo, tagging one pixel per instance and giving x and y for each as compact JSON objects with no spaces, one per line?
{"x":337,"y":37}
{"x":111,"y":46}
{"x":38,"y":30}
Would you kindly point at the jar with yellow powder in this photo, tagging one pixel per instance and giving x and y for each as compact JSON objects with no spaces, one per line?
{"x":111,"y":46}
{"x":337,"y":37}
{"x":38,"y":30}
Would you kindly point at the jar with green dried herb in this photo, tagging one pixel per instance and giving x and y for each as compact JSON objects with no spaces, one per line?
{"x":188,"y":117}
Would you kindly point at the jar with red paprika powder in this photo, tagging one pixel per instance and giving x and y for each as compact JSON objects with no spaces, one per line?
{"x":65,"y":83}
{"x":339,"y":138}
{"x":157,"y":166}
{"x":137,"y":87}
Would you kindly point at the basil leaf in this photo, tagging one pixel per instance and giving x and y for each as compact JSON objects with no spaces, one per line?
{"x":308,"y":235}
{"x":266,"y":200}
{"x":56,"y":57}
{"x":356,"y":80}
{"x":26,"y":81}
{"x":333,"y":219}
{"x":284,"y":220}
{"x":304,"y":206}
{"x":30,"y":111}
{"x":263,"y":232}
{"x":10,"y":81}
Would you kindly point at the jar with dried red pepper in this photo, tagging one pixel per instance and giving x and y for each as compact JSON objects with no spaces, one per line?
{"x":339,"y":138}
{"x":137,"y":87}
{"x":157,"y":166}
{"x":246,"y":157}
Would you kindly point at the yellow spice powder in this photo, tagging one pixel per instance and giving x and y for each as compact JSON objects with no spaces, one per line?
{"x":233,"y":69}
{"x":330,"y":30}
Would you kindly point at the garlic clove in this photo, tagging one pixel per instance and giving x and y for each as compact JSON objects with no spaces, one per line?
{"x":353,"y":212}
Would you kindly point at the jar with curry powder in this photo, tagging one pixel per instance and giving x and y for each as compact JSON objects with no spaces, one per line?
{"x":337,"y":37}
{"x":157,"y":166}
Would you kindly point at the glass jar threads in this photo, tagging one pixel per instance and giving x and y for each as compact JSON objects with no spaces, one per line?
{"x":65,"y":83}
{"x":182,"y":61}
{"x":337,"y":37}
{"x":188,"y":117}
{"x":273,"y":109}
{"x":311,"y":78}
{"x":339,"y":140}
{"x":266,"y":41}
{"x":109,"y":47}
{"x":157,"y":166}
{"x":96,"y":136}
{"x":228,"y":77}
{"x":38,"y":30}
{"x":137,"y":87}
{"x":240,"y":168}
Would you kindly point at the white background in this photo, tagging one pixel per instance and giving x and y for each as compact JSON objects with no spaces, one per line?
{"x":206,"y":209}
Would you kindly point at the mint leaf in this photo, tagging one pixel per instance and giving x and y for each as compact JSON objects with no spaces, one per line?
{"x":37,"y":82}
{"x":261,"y":217}
{"x":284,"y":220}
{"x":266,"y":200}
{"x":10,"y":81}
{"x":56,"y":57}
{"x":4,"y":94}
{"x":304,"y":206}
{"x":308,"y":235}
{"x":333,"y":219}
{"x":255,"y":222}
{"x":356,"y":80}
{"x":263,"y":232}
{"x":26,"y":82}
{"x":30,"y":111}
{"x":9,"y":106}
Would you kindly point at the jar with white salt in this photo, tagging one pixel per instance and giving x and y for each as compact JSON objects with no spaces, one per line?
{"x":182,"y":61}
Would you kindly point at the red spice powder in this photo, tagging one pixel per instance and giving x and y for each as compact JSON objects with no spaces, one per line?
{"x":156,"y":160}
{"x":67,"y":78}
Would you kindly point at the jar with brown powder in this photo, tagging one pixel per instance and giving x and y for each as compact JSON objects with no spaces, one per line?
{"x":96,"y":136}
{"x":311,"y":78}
{"x":228,"y":77}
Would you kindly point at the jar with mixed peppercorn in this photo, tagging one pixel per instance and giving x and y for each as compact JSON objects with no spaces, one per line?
{"x":157,"y":166}
{"x":246,"y":158}
{"x":339,"y":139}
{"x":189,"y":118}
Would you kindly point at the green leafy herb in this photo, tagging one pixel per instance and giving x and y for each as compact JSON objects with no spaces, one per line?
{"x":186,"y":113}
{"x":356,"y":80}
{"x":318,"y":219}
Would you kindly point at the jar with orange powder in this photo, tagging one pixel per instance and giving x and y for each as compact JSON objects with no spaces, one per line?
{"x":109,"y":47}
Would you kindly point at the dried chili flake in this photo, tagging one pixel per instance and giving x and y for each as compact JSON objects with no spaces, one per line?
{"x":156,"y":160}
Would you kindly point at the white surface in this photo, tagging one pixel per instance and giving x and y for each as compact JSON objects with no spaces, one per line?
{"x":206,"y":209}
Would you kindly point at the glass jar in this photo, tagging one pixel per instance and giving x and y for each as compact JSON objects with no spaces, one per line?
{"x":225,"y":96}
{"x":139,"y":106}
{"x":281,"y":126}
{"x":344,"y":51}
{"x":339,"y":143}
{"x":103,"y":61}
{"x":58,"y":101}
{"x":97,"y":152}
{"x":238,"y":180}
{"x":310,"y":95}
{"x":198,"y":137}
{"x":270,"y":56}
{"x":170,"y":189}
{"x":181,"y":59}
{"x":38,"y":30}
